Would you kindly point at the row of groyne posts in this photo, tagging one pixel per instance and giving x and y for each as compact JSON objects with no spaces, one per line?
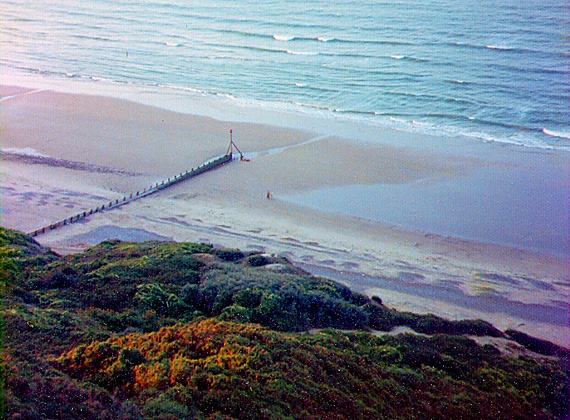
{"x":208,"y":166}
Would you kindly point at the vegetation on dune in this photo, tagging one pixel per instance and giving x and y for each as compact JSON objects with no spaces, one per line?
{"x":244,"y":371}
{"x":180,"y":330}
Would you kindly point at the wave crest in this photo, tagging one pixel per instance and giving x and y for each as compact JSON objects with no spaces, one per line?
{"x":23,"y":151}
{"x":559,"y":134}
{"x":283,"y":38}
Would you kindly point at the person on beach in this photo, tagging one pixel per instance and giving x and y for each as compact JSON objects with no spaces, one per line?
{"x":269,"y":195}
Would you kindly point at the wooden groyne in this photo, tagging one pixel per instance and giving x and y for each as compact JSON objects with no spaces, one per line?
{"x":208,"y":166}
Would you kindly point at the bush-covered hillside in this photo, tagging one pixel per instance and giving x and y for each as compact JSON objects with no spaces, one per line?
{"x":180,"y":330}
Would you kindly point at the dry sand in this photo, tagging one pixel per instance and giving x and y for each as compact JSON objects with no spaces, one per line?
{"x":112,"y":147}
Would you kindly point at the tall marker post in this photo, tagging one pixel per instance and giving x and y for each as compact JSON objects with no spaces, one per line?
{"x":231,"y":148}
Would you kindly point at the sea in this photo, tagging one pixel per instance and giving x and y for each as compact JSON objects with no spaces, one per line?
{"x":489,"y":70}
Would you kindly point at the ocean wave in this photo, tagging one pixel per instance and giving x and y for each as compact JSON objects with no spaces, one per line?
{"x":505,"y":48}
{"x":312,"y":89}
{"x":563,"y":71}
{"x":92,"y":38}
{"x":335,"y":40}
{"x":449,"y":125}
{"x":417,"y":96}
{"x":318,"y":38}
{"x":302,"y":52}
{"x":507,"y":125}
{"x":276,"y":37}
{"x":23,"y":151}
{"x":314,"y":39}
{"x":499,"y":47}
{"x":413,"y":59}
{"x":368,"y":55}
{"x":262,"y":49}
{"x":425,"y":127}
{"x":247,"y":34}
{"x":457,"y":81}
{"x":526,"y":70}
{"x":559,"y":134}
{"x":61,"y":74}
{"x":283,"y":38}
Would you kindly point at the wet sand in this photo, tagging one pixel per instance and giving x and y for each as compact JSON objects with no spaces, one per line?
{"x":69,"y":153}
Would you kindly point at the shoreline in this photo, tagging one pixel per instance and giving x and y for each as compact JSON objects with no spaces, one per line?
{"x":228,"y":206}
{"x":222,"y":107}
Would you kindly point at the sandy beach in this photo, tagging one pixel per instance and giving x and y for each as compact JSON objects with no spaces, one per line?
{"x":67,"y":153}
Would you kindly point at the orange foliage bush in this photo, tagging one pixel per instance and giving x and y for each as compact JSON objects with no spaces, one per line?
{"x":244,"y":371}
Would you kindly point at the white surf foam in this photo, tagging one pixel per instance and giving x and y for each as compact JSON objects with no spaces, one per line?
{"x":24,"y":151}
{"x":283,"y":38}
{"x":559,"y":134}
{"x":302,"y":52}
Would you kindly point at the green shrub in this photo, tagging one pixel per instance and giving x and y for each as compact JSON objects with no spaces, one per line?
{"x":258,"y":260}
{"x":118,"y":322}
{"x":229,"y":255}
{"x":475,"y":327}
{"x":166,"y":407}
{"x":154,"y":297}
{"x":248,"y":298}
{"x":237,"y":313}
{"x":377,"y":299}
{"x":537,"y":345}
